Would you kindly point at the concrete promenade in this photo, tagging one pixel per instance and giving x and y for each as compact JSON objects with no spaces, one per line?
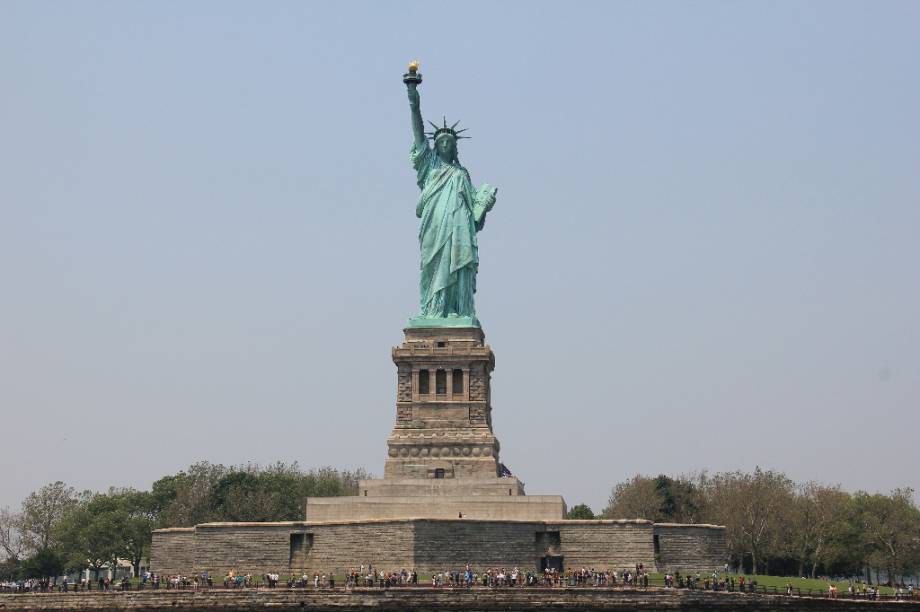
{"x":427,"y":599}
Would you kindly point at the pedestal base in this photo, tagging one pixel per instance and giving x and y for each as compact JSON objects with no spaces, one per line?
{"x":491,"y":507}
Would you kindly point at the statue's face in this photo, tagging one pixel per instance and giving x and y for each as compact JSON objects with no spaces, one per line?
{"x":446,"y":148}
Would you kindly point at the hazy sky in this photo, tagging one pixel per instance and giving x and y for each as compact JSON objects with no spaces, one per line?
{"x":704,"y":253}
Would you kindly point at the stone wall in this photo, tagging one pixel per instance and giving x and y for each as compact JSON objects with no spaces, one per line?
{"x":444,"y":545}
{"x":427,"y":599}
{"x":385,"y":544}
{"x":242,"y":547}
{"x":690,"y":547}
{"x":173,"y":550}
{"x":433,"y":545}
{"x":492,"y":507}
{"x":612,"y":545}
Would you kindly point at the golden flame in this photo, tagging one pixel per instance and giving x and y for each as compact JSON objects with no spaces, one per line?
{"x":413,"y":66}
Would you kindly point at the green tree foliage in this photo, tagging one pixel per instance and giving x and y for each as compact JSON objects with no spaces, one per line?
{"x":10,"y":569}
{"x":91,"y":530}
{"x":208,"y":492}
{"x":661,"y":499}
{"x":818,"y":526}
{"x":890,"y":527}
{"x":184,"y":499}
{"x":41,"y":510}
{"x":681,"y":499}
{"x":770,"y":520}
{"x":754,"y":509}
{"x":45,"y":563}
{"x":276,"y":493}
{"x":635,"y":498}
{"x":137,"y":515}
{"x":91,"y":534}
{"x":580,"y":512}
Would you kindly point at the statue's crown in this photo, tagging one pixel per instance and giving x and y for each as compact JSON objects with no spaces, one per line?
{"x":439,"y":131}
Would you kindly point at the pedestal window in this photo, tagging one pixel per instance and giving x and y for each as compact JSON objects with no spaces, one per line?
{"x":423,"y":385}
{"x":440,"y":382}
{"x":457,"y":382}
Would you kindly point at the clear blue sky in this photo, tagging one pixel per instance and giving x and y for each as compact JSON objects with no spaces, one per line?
{"x":704,"y":254}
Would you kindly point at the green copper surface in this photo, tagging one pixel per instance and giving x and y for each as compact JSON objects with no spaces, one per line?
{"x":441,"y":322}
{"x":452,"y":211}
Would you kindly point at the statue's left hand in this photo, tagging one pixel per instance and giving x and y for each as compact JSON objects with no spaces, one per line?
{"x":486,"y":196}
{"x":491,"y":201}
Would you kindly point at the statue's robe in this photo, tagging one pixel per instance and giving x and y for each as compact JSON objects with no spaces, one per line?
{"x":452,"y":211}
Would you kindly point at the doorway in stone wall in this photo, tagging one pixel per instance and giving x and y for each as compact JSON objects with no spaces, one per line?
{"x":301,"y":543}
{"x":552,"y":562}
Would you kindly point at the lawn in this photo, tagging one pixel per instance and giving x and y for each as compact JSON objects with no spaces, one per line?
{"x":780,"y":582}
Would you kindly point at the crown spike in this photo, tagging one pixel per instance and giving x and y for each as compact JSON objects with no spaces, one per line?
{"x":434,"y":125}
{"x":455,"y":125}
{"x":445,"y":120}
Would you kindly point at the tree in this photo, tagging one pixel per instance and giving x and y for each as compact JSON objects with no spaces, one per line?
{"x":42,"y":510}
{"x":818,"y":522}
{"x":12,"y":542}
{"x":580,"y":512}
{"x":635,"y":498}
{"x":91,"y":530}
{"x":90,"y":535}
{"x":10,"y":569}
{"x":681,"y":500}
{"x":890,"y":526}
{"x":108,"y":527}
{"x":659,"y":499}
{"x":45,"y":563}
{"x":184,"y":500}
{"x":250,"y":496}
{"x":136,"y":515}
{"x":212,"y":492}
{"x":753,"y":508}
{"x":277,"y":492}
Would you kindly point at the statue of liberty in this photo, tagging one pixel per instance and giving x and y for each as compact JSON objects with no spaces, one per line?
{"x":452,"y":211}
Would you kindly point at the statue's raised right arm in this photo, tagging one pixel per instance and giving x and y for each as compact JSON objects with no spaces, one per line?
{"x":418,"y":128}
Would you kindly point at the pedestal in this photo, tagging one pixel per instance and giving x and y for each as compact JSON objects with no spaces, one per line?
{"x":443,"y":415}
{"x":442,"y":455}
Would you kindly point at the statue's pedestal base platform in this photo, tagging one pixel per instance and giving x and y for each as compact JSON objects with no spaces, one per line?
{"x":506,"y":486}
{"x":494,"y":507}
{"x":475,"y":498}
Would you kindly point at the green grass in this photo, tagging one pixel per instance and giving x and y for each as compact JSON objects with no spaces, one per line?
{"x":780,"y":582}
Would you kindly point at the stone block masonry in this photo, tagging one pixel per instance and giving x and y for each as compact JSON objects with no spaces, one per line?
{"x":432,"y":545}
{"x":176,"y":549}
{"x":613,"y":545}
{"x":689,"y":547}
{"x":427,"y":599}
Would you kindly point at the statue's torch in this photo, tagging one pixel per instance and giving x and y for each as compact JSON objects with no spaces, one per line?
{"x":413,"y":76}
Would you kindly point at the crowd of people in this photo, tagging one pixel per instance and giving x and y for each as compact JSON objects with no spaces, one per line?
{"x":66,"y":585}
{"x":713,"y":582}
{"x":368,"y":576}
